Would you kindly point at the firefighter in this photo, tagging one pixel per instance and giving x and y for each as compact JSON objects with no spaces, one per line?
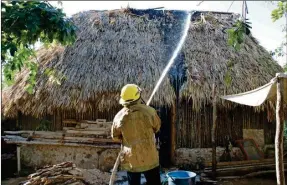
{"x":135,"y":126}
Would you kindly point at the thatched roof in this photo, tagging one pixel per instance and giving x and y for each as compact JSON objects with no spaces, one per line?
{"x":208,"y":56}
{"x":133,"y":46}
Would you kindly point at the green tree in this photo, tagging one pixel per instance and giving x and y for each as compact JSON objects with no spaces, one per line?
{"x":277,"y":14}
{"x":23,"y":24}
{"x":241,"y":28}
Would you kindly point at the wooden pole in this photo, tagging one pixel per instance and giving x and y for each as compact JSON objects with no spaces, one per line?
{"x":173,"y":135}
{"x":279,"y":137}
{"x":214,"y":118}
{"x":19,"y":120}
{"x":18,"y":159}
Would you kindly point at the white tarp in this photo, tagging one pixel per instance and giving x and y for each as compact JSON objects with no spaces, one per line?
{"x":258,"y":96}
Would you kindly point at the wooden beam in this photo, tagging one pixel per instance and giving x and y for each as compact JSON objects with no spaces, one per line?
{"x":87,"y":129}
{"x":238,"y":163}
{"x":18,"y":132}
{"x":83,"y":132}
{"x":279,"y":136}
{"x":110,"y":146}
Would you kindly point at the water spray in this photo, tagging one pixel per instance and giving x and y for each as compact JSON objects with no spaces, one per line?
{"x":166,"y":69}
{"x":171,"y":61}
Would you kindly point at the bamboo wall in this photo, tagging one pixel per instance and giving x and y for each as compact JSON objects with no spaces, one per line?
{"x":92,"y":114}
{"x":31,"y":123}
{"x":194,"y":128}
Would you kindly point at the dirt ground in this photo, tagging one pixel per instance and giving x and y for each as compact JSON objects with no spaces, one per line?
{"x":250,"y":181}
{"x":253,"y":181}
{"x":13,"y":181}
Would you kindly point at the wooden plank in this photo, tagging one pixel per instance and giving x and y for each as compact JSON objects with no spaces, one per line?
{"x":62,"y":144}
{"x":101,"y":120}
{"x":18,"y":132}
{"x":86,"y":129}
{"x":83,"y":132}
{"x":95,"y":126}
{"x":88,"y":121}
{"x":13,"y":137}
{"x":71,"y":121}
{"x":232,"y":163}
{"x":76,"y":140}
{"x":244,"y":167}
{"x":92,"y":140}
{"x":95,"y":122}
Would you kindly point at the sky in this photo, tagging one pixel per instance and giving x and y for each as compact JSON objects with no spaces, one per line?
{"x":268,"y":33}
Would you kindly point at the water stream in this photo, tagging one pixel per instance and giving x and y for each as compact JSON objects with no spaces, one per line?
{"x":171,"y":61}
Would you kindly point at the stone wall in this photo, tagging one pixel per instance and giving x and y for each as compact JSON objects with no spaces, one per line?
{"x":87,"y":157}
{"x":191,"y":155}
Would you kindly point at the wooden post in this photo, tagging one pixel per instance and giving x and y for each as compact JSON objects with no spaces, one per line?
{"x":279,"y":136}
{"x":214,"y":117}
{"x":18,"y":159}
{"x":173,"y":134}
{"x":19,"y":120}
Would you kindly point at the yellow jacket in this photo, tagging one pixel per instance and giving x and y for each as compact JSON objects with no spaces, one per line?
{"x":135,"y":126}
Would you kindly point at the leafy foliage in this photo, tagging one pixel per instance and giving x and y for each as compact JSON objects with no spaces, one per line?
{"x":237,"y":33}
{"x":23,"y":24}
{"x":279,"y":11}
{"x":279,"y":51}
{"x":276,"y":15}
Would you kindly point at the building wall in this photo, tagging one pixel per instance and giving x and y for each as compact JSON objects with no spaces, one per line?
{"x":87,"y":157}
{"x":194,"y":128}
{"x":194,"y":155}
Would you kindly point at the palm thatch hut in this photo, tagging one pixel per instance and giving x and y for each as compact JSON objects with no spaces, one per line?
{"x":133,"y":46}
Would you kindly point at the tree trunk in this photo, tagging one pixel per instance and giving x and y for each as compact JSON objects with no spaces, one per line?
{"x":214,"y":116}
{"x":279,"y":137}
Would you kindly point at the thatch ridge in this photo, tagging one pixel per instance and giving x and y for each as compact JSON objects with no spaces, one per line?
{"x":124,"y":46}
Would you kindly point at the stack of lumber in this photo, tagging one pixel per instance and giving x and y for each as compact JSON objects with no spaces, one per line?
{"x":67,"y":173}
{"x":242,"y":168}
{"x":64,"y":173}
{"x":84,"y":132}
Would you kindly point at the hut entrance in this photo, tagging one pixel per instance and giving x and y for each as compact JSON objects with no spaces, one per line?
{"x":164,"y":136}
